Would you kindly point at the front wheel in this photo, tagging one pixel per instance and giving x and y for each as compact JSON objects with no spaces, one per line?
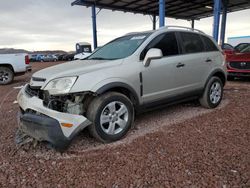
{"x":213,"y":93}
{"x":112,"y":115}
{"x":6,"y":75}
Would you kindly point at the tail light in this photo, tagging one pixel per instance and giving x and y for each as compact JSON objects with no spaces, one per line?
{"x":27,"y":60}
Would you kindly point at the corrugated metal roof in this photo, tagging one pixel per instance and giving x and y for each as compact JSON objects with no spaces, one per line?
{"x":182,"y":9}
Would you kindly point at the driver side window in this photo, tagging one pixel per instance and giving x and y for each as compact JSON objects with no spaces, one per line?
{"x":166,"y":42}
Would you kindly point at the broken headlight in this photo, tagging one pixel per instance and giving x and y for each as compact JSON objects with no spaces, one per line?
{"x":60,"y":85}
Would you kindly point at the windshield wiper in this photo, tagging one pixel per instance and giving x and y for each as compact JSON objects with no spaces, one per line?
{"x":98,"y":58}
{"x":101,"y":58}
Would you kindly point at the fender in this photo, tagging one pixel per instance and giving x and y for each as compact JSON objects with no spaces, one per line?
{"x":7,"y":65}
{"x":220,"y":71}
{"x":111,"y":85}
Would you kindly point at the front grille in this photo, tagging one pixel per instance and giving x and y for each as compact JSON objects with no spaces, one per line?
{"x":244,"y":65}
{"x":32,"y":91}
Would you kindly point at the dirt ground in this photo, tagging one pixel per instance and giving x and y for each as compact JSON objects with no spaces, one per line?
{"x":179,"y":146}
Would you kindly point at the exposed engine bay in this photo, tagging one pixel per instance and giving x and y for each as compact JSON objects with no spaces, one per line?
{"x":70,"y":103}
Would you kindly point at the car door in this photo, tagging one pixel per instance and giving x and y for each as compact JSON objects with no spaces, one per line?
{"x":159,"y":77}
{"x":195,"y":63}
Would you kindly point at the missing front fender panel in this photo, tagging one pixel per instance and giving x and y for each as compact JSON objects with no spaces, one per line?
{"x":71,"y":103}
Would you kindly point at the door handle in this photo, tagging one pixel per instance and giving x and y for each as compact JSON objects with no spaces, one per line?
{"x":179,"y":65}
{"x":208,"y":60}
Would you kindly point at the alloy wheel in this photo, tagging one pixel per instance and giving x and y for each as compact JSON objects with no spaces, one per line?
{"x":114,"y":118}
{"x":215,"y":92}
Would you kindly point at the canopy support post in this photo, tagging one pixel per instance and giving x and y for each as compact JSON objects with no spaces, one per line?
{"x":217,"y":10}
{"x":162,"y":13}
{"x":223,"y":23}
{"x":94,"y":26}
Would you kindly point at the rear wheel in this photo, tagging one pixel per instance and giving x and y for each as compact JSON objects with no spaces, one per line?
{"x":112,"y":115}
{"x":213,"y":93}
{"x":6,"y":75}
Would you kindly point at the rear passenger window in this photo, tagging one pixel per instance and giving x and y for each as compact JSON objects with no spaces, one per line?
{"x":191,"y":43}
{"x":166,"y":42}
{"x":209,"y":45}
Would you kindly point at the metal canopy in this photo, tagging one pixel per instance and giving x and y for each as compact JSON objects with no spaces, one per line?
{"x":180,"y":9}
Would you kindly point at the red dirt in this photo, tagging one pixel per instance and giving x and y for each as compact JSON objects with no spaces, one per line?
{"x":180,"y":146}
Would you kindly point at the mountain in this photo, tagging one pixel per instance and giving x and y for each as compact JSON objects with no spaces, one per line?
{"x":17,"y":51}
{"x":49,"y":52}
{"x":12,"y":51}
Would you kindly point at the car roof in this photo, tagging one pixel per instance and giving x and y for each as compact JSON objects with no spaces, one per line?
{"x":170,"y":28}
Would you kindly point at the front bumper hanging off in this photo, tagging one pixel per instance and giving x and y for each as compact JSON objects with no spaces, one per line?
{"x":45,"y":124}
{"x":43,"y":128}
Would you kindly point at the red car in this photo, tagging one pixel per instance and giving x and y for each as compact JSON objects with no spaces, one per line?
{"x":238,"y":61}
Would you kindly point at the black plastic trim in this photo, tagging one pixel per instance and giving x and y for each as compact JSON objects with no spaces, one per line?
{"x":141,"y":84}
{"x":36,"y":79}
{"x":118,"y":84}
{"x":44,"y":128}
{"x":215,"y":72}
{"x":171,"y":100}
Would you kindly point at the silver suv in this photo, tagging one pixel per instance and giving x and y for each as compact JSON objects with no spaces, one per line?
{"x":130,"y":74}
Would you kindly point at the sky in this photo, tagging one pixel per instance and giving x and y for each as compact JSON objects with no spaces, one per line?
{"x":56,"y":25}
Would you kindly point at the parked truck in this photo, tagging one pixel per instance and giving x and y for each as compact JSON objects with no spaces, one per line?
{"x":83,"y":50}
{"x":12,"y":65}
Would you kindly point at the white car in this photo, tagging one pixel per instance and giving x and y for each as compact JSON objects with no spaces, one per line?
{"x":81,"y":56}
{"x":130,"y":74}
{"x":13,"y":65}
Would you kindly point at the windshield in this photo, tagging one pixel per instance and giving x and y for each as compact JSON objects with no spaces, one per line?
{"x":227,"y":47}
{"x":243,"y":47}
{"x":245,"y":50}
{"x":120,"y":48}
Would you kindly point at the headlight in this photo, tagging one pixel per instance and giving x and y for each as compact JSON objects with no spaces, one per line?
{"x":60,"y":85}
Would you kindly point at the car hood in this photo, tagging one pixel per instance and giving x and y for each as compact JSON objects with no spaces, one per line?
{"x":74,"y":68}
{"x":238,"y":57}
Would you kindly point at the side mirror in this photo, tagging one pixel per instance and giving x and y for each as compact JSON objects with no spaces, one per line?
{"x":153,"y":53}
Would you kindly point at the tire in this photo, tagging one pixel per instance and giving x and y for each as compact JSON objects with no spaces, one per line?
{"x":6,"y":75}
{"x":112,"y":115}
{"x":213,"y":93}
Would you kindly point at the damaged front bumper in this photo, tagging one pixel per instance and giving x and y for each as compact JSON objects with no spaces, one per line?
{"x":45,"y":124}
{"x":43,"y":128}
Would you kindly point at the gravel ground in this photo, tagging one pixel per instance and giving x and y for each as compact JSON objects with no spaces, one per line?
{"x":179,"y":146}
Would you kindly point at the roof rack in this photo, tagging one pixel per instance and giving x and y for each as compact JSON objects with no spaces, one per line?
{"x":182,"y":27}
{"x":139,"y":32}
{"x":132,"y":33}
